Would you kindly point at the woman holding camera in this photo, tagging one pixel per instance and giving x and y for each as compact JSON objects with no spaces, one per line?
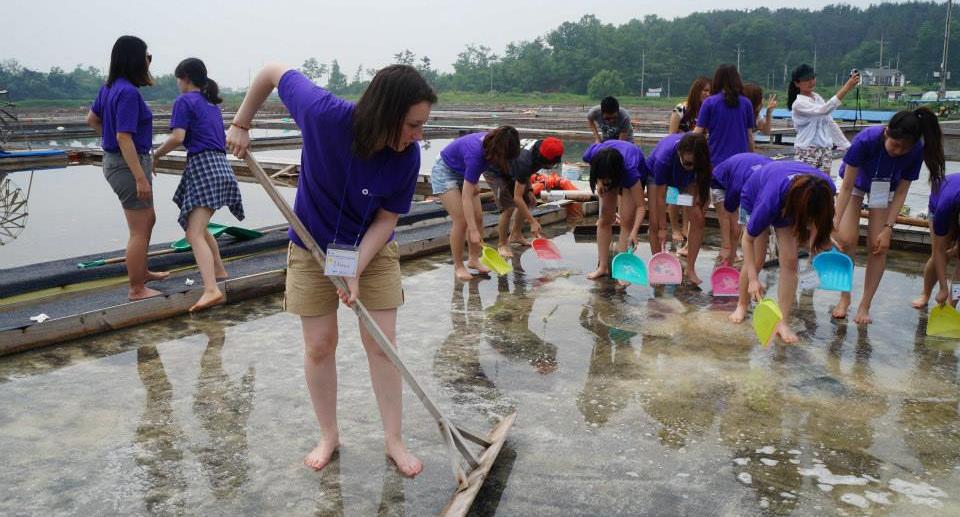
{"x":817,"y":133}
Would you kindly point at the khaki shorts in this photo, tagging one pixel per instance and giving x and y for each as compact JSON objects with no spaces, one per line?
{"x":503,"y":187}
{"x":310,"y":293}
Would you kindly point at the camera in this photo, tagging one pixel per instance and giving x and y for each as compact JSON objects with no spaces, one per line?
{"x":853,"y":72}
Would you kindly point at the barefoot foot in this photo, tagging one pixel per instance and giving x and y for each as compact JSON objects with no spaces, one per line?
{"x":786,"y":335}
{"x":505,"y":251}
{"x":600,"y":273}
{"x":920,"y":302}
{"x":738,"y":314}
{"x":408,"y":464}
{"x":693,"y":278}
{"x":156,"y":275}
{"x":140,"y":294}
{"x":462,"y":274}
{"x":863,"y":317}
{"x":475,"y":264}
{"x":519,"y":241}
{"x":207,"y":300}
{"x":322,"y":454}
{"x":840,"y":310}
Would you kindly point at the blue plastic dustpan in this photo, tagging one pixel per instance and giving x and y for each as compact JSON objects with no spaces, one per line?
{"x":630,"y":268}
{"x":835,"y":271}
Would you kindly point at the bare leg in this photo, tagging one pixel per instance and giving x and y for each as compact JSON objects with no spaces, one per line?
{"x":387,"y":385}
{"x":503,"y":245}
{"x":876,"y":263}
{"x":196,"y":235}
{"x":516,"y":231}
{"x":760,"y":256}
{"x":608,"y":214}
{"x":218,"y":268}
{"x":676,"y":234}
{"x":458,"y":231}
{"x":140,"y":224}
{"x":320,"y":370}
{"x":929,"y":280}
{"x":473,"y":260}
{"x":787,"y":287}
{"x":695,"y":217}
{"x":847,"y":237}
{"x":628,"y":213}
{"x":725,"y":243}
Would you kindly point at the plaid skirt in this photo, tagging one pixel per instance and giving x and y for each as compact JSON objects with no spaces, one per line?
{"x":207,"y":181}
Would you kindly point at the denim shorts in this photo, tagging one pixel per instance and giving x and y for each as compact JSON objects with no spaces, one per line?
{"x":717,"y":195}
{"x":443,"y":178}
{"x":744,"y":216}
{"x":859,"y":193}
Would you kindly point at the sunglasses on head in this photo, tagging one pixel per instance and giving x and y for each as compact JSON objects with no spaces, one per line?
{"x":149,"y":57}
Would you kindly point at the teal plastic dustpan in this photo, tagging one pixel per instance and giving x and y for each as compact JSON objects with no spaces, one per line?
{"x":630,"y":268}
{"x":241,"y":234}
{"x":835,"y":270}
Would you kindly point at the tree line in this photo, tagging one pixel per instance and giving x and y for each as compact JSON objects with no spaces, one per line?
{"x":591,"y":57}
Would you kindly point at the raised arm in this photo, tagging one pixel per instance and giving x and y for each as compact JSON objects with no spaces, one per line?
{"x":238,"y":136}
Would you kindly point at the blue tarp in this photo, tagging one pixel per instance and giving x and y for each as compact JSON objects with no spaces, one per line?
{"x":24,"y":154}
{"x":841,"y":114}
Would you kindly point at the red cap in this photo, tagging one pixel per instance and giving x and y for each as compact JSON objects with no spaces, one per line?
{"x":551,"y":149}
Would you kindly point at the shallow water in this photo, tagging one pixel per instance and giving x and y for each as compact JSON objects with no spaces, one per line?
{"x":630,"y":402}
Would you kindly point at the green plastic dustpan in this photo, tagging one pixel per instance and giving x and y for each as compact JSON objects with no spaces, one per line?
{"x":630,"y":268}
{"x":766,"y":316}
{"x":944,"y":321}
{"x":492,"y":259}
{"x":241,"y":234}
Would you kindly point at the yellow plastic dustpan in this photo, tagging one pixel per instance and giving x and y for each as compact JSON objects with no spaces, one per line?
{"x":944,"y":321}
{"x":492,"y":259}
{"x":766,"y":316}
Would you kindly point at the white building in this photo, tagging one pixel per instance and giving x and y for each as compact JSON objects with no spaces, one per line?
{"x":883,"y":77}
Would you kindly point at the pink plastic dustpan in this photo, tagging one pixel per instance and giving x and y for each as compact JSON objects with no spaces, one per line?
{"x":546,"y":249}
{"x":725,"y":281}
{"x":664,"y":268}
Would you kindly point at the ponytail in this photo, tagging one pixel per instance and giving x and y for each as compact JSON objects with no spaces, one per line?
{"x":500,"y":146}
{"x":792,"y":92}
{"x":809,"y":200}
{"x":193,"y":70}
{"x":696,"y":143}
{"x":918,"y":124}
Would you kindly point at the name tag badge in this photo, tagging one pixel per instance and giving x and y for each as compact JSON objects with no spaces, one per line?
{"x":673,"y":195}
{"x":879,"y":194}
{"x":809,"y":279}
{"x":685,"y":200}
{"x":955,"y":291}
{"x":342,"y":260}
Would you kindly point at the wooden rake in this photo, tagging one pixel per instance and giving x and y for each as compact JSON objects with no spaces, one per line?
{"x":469,"y":470}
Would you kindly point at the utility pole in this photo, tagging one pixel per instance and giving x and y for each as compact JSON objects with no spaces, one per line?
{"x":814,"y":57}
{"x":946,"y":45}
{"x":643,"y":66}
{"x":881,"y":50}
{"x":668,"y":74}
{"x":739,"y":51}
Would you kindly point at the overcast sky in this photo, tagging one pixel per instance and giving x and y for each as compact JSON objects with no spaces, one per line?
{"x":235,"y":38}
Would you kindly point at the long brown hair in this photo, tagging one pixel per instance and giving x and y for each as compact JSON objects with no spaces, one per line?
{"x":809,"y":200}
{"x":754,"y":93}
{"x":500,"y":146}
{"x":382,"y":109}
{"x":917,"y":124}
{"x":696,"y":143}
{"x":726,"y":80}
{"x":128,"y":59}
{"x":694,"y":101}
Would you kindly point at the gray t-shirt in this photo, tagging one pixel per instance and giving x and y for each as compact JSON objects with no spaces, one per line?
{"x":611,"y":131}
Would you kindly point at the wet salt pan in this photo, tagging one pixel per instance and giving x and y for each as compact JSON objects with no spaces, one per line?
{"x":769,"y":449}
{"x":856,"y":500}
{"x":768,"y":462}
{"x":745,"y":478}
{"x":826,"y":477}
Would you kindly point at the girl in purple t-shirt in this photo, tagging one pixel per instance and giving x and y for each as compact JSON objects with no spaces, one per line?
{"x":879,"y":166}
{"x":727,"y":116}
{"x":797,"y":201}
{"x":616,"y":167}
{"x":728,"y":179}
{"x":358,"y":172}
{"x":680,"y":173}
{"x":454,"y":179}
{"x":944,"y":210}
{"x":120,"y":115}
{"x":208,"y":182}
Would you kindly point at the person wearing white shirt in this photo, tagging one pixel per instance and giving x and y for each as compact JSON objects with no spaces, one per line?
{"x":817,"y":133}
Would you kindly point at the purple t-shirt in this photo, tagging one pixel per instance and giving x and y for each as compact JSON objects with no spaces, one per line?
{"x":733,"y":172}
{"x":726,"y":126}
{"x":944,"y":206}
{"x":868,"y":155}
{"x":763,"y":194}
{"x":664,"y":164}
{"x":465,"y":157}
{"x":635,"y":168}
{"x":339,"y":193}
{"x":202,"y":120}
{"x":122,"y":109}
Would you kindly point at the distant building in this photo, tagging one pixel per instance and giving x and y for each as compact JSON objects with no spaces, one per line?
{"x":883,"y":77}
{"x":654,"y":92}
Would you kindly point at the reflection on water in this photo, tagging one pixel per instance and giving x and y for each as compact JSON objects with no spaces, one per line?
{"x":634,"y":402}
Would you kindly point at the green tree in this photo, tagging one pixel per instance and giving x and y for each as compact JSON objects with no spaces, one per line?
{"x":604,"y":83}
{"x":313,"y":69}
{"x":337,"y":82}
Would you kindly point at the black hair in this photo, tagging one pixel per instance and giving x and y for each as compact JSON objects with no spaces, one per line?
{"x":726,"y":80}
{"x":609,"y":105}
{"x":501,"y":146}
{"x":128,"y":60}
{"x":382,"y":109}
{"x":800,"y":73}
{"x":606,"y":164}
{"x":193,"y":70}
{"x":917,"y":124}
{"x":696,"y":144}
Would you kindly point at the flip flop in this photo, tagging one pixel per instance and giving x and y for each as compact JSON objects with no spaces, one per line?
{"x":629,"y":268}
{"x":835,"y":270}
{"x":491,"y":259}
{"x":725,"y":281}
{"x":665,"y":269}
{"x":766,"y":316}
{"x":944,"y":321}
{"x":546,"y":249}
